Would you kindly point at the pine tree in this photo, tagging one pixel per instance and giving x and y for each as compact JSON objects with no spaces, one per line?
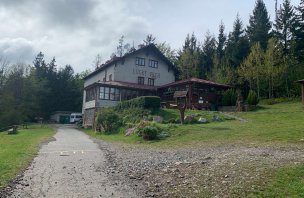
{"x":259,"y":25}
{"x":209,"y":50}
{"x":299,"y":32}
{"x":237,"y":45}
{"x":221,"y":39}
{"x":189,"y":59}
{"x":150,"y":39}
{"x":285,"y":24}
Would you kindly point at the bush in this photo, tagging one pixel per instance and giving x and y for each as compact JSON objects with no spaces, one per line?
{"x":149,"y":133}
{"x":229,"y":98}
{"x":148,"y":102}
{"x":148,"y":130}
{"x":108,"y":120}
{"x":134,"y":115}
{"x":252,"y":98}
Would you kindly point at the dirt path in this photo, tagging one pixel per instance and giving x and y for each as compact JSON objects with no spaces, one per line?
{"x":203,"y":171}
{"x":71,"y":166}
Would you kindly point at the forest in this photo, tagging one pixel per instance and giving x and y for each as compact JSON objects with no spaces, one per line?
{"x":264,"y":56}
{"x":32,"y":92}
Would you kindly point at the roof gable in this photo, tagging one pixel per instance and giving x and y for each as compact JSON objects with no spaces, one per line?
{"x":114,"y":60}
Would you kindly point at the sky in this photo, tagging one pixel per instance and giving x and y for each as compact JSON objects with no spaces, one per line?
{"x":75,"y":31}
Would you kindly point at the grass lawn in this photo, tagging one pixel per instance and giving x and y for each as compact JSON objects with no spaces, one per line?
{"x":287,"y":182}
{"x":279,"y":123}
{"x":17,"y":151}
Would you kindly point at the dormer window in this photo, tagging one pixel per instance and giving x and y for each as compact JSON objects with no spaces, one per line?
{"x":140,"y":61}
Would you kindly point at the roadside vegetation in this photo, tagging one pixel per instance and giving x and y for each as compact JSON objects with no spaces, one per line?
{"x":18,"y":150}
{"x":275,"y":123}
{"x":278,"y":123}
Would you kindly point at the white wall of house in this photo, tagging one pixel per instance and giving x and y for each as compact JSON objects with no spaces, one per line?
{"x":98,"y":77}
{"x":129,"y":71}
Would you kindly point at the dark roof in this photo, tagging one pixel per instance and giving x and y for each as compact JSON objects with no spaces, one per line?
{"x":116,"y":59}
{"x":197,"y":81}
{"x":300,"y":81}
{"x":124,"y":85}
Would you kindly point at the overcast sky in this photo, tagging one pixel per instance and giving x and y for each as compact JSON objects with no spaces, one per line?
{"x":75,"y":31}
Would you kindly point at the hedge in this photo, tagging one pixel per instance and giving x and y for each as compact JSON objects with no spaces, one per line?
{"x":147,"y":102}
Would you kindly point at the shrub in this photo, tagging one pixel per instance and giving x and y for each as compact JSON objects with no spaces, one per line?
{"x":148,"y":102}
{"x":149,"y":130}
{"x":229,"y":98}
{"x":134,"y":115}
{"x":252,"y":98}
{"x":149,"y":133}
{"x":108,"y":120}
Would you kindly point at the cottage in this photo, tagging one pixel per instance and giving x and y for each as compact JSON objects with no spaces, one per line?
{"x":135,"y":74}
{"x":201,"y":94}
{"x":143,"y":72}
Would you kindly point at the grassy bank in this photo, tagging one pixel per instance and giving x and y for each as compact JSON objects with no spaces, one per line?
{"x":287,"y":182}
{"x":17,"y":151}
{"x":279,"y":123}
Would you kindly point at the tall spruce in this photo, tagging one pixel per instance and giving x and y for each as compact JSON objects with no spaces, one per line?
{"x":189,"y":59}
{"x":209,"y":50}
{"x":237,"y":45}
{"x":221,"y":39}
{"x":285,"y":25}
{"x":259,"y":25}
{"x":299,"y":32}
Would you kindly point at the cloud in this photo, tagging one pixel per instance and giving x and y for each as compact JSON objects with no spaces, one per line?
{"x":17,"y":49}
{"x":74,"y":31}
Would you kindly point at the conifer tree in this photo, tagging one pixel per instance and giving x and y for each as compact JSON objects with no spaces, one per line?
{"x":285,"y":25}
{"x":237,"y":45}
{"x":221,"y":39}
{"x":259,"y":25}
{"x":299,"y":32}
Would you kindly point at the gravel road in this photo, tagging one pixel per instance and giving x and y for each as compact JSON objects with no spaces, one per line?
{"x":70,"y":166}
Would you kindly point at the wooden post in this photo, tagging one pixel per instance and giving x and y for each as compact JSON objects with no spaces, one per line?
{"x":190,"y":96}
{"x":302,"y":92}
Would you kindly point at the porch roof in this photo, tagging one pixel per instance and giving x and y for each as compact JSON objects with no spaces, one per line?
{"x":124,"y":85}
{"x":197,"y":81}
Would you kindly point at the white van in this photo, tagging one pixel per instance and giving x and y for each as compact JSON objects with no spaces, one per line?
{"x":75,"y":117}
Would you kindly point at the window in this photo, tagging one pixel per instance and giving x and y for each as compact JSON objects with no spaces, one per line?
{"x":140,"y":61}
{"x":90,"y":94}
{"x":110,"y":77}
{"x":141,"y":80}
{"x":150,"y":81}
{"x":117,"y":95}
{"x":107,"y":93}
{"x":101,"y":93}
{"x":112,"y":93}
{"x":153,"y":63}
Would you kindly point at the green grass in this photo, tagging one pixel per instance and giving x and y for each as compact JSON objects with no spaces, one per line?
{"x":279,"y":123}
{"x":287,"y":182}
{"x":270,"y":124}
{"x":17,"y":151}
